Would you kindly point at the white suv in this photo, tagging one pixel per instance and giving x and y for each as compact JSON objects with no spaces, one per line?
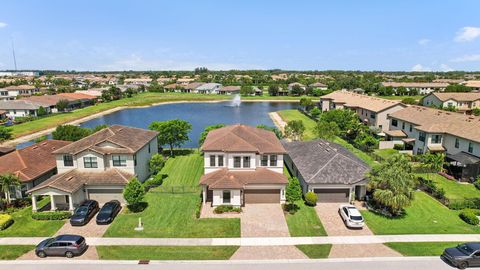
{"x":351,"y":216}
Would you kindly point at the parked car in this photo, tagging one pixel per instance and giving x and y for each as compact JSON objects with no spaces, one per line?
{"x":351,"y":216}
{"x":62,"y":245}
{"x":463,"y":256}
{"x":84,"y":213}
{"x":108,"y":212}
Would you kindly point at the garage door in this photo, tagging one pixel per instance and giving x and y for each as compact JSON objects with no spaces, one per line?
{"x":262,"y":195}
{"x":332,"y":194}
{"x":104,"y":195}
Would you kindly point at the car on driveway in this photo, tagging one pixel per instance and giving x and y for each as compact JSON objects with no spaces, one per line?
{"x":463,"y":256}
{"x":84,"y":213}
{"x":108,"y":212}
{"x":351,"y":216}
{"x":63,"y":245}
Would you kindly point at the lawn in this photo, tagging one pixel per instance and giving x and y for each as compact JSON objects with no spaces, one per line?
{"x":316,"y":251}
{"x":304,"y":222}
{"x":13,"y":252}
{"x":421,"y":248}
{"x":183,"y":170}
{"x":385,"y":153}
{"x":24,"y":225}
{"x":424,"y":216}
{"x":453,"y":189}
{"x":401,"y":97}
{"x":166,"y":252}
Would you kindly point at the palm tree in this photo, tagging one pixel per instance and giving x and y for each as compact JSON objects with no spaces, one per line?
{"x":7,"y":181}
{"x":433,"y":162}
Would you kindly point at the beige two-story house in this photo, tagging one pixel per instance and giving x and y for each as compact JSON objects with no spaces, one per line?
{"x":98,"y":166}
{"x":243,"y":165}
{"x":461,"y":101}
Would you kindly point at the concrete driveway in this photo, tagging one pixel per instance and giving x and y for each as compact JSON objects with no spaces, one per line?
{"x":263,"y":220}
{"x":333,"y":223}
{"x":89,"y":230}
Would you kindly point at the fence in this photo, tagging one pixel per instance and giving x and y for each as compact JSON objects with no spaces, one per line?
{"x":173,"y":189}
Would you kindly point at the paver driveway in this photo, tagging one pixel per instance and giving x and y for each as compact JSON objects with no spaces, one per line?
{"x":363,"y":250}
{"x":333,"y":223}
{"x":89,"y":254}
{"x":263,"y":220}
{"x":89,"y":230}
{"x":268,"y":253}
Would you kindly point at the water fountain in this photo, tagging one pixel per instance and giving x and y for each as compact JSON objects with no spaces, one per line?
{"x":236,"y":101}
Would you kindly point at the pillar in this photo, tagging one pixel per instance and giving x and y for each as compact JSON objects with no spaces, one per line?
{"x":34,"y":203}
{"x":70,"y":203}
{"x":52,"y":203}
{"x":204,"y":194}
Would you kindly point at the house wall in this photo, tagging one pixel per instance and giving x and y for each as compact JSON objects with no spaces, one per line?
{"x":235,"y":197}
{"x":255,"y":161}
{"x":143,"y":156}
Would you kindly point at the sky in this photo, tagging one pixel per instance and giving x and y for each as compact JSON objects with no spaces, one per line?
{"x":400,"y":35}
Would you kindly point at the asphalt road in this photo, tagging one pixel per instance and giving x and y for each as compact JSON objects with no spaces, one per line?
{"x":412,"y":263}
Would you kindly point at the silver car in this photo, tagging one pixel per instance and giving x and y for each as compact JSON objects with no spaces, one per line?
{"x":62,"y":245}
{"x":351,"y":216}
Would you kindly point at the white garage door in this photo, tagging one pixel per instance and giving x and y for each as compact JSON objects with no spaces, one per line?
{"x":104,"y":195}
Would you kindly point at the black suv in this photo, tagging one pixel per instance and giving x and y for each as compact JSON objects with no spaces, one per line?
{"x":463,"y":256}
{"x":62,"y":245}
{"x":84,"y":213}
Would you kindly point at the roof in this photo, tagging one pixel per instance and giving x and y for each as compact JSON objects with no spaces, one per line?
{"x":193,"y":85}
{"x":436,"y":148}
{"x":20,"y":87}
{"x":355,"y":100}
{"x":458,"y":96}
{"x":231,"y":88}
{"x":472,"y":83}
{"x":18,"y":105}
{"x":32,"y":161}
{"x":416,"y":84}
{"x":323,"y":162}
{"x":464,"y":158}
{"x":438,"y":121}
{"x":73,"y":180}
{"x":242,"y":138}
{"x":318,"y":84}
{"x":396,"y":133}
{"x":224,"y":178}
{"x":76,"y":96}
{"x":129,"y":140}
{"x":208,"y":86}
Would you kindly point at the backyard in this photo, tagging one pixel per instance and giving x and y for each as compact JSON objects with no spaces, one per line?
{"x":453,"y":190}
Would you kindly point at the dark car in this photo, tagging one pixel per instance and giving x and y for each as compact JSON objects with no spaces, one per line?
{"x":463,"y":256}
{"x":108,"y":212}
{"x":84,"y":213}
{"x":62,"y":245}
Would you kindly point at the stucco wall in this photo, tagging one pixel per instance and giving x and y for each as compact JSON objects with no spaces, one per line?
{"x":218,"y":197}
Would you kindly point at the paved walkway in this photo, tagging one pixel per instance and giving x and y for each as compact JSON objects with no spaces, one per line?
{"x":277,"y":120}
{"x":268,"y":253}
{"x":333,"y":223}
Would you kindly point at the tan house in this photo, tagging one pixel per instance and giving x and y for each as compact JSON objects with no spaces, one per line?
{"x":462,"y":101}
{"x":474,"y":85}
{"x":243,"y":165}
{"x":421,"y":87}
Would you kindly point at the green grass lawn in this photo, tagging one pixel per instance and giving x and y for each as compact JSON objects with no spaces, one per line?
{"x":13,"y":252}
{"x":304,"y":222}
{"x":24,"y":225}
{"x":166,"y":252}
{"x":453,"y":189}
{"x":401,"y":97}
{"x":421,"y":248}
{"x":425,"y":216}
{"x":183,"y":170}
{"x":385,"y":153}
{"x":316,"y":251}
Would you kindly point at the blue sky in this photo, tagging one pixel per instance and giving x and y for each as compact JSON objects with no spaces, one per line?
{"x":247,"y":34}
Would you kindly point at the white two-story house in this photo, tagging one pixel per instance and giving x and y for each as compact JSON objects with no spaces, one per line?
{"x":243,"y":165}
{"x":98,"y":166}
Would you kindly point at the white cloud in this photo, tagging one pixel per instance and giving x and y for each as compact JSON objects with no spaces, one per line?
{"x":423,"y":41}
{"x":2,"y":24}
{"x":468,"y":33}
{"x":419,"y":67}
{"x":446,"y":68}
{"x":468,"y":58}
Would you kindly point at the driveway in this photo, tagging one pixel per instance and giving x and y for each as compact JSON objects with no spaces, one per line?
{"x":363,"y":250}
{"x":268,"y":253}
{"x":333,"y":223}
{"x":89,"y":230}
{"x":89,"y":254}
{"x":263,"y":220}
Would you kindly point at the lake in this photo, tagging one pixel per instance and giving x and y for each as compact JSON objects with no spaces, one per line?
{"x":200,"y":115}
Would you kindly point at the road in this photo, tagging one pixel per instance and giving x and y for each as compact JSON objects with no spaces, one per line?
{"x":404,"y":263}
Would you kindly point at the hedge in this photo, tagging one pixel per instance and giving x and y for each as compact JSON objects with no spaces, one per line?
{"x":470,"y":216}
{"x":5,"y":221}
{"x":57,"y":215}
{"x":226,"y":208}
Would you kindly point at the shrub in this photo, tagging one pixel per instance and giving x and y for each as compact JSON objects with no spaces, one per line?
{"x":464,"y":203}
{"x":470,"y":216}
{"x":399,"y":146}
{"x":5,"y":221}
{"x":57,"y":215}
{"x":226,"y":208}
{"x":477,"y":183}
{"x":311,"y":198}
{"x":155,"y":181}
{"x":198,"y":209}
{"x":291,"y":208}
{"x":133,"y":192}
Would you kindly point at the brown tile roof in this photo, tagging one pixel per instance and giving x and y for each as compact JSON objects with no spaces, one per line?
{"x":242,"y":138}
{"x":193,"y":85}
{"x":32,"y":161}
{"x":438,"y":121}
{"x":224,"y":178}
{"x":472,"y":83}
{"x":231,"y":88}
{"x":416,"y":84}
{"x":396,"y":133}
{"x":20,"y":87}
{"x":354,"y":100}
{"x":76,"y":96}
{"x":73,"y":180}
{"x":458,"y":96}
{"x":130,"y":139}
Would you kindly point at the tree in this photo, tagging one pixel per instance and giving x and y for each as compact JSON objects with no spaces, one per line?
{"x":156,"y":163}
{"x":133,"y":192}
{"x":273,"y":90}
{"x":306,"y":103}
{"x":204,"y":134}
{"x":296,"y":90}
{"x":365,"y":142}
{"x":70,"y":133}
{"x":7,"y":181}
{"x":5,"y":133}
{"x":315,"y":112}
{"x":172,"y":132}
{"x":409,"y":100}
{"x":247,"y":90}
{"x":393,"y":183}
{"x":346,"y":120}
{"x":293,"y":192}
{"x":275,"y":130}
{"x":62,"y":105}
{"x":457,"y":88}
{"x":327,"y":130}
{"x":41,"y":111}
{"x":295,"y":129}
{"x":476,"y":111}
{"x":433,"y":162}
{"x":130,"y":92}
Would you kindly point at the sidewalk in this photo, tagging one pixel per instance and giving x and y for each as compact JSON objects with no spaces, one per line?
{"x":257,"y":241}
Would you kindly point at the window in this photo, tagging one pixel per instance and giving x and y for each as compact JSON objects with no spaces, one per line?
{"x":134,"y":160}
{"x":470,"y":147}
{"x":394,"y":122}
{"x":411,"y":128}
{"x":119,"y":161}
{"x":273,"y":160}
{"x":90,"y":162}
{"x":226,"y":196}
{"x":67,"y":160}
{"x":212,"y":160}
{"x":264,"y":161}
{"x":246,"y":162}
{"x":149,"y":150}
{"x":457,"y":143}
{"x":437,"y":139}
{"x":403,"y":125}
{"x":421,"y":136}
{"x":372,"y":115}
{"x":220,"y":161}
{"x":237,"y":162}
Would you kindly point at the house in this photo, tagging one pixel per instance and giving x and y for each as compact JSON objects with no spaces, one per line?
{"x":229,"y":90}
{"x":372,"y":111}
{"x":464,"y":102}
{"x":243,"y":165}
{"x":258,"y":91}
{"x":21,"y":90}
{"x":32,"y":165}
{"x":319,"y":85}
{"x":138,"y":81}
{"x":185,"y":81}
{"x":426,"y":129}
{"x":291,"y":85}
{"x":208,"y":88}
{"x":98,"y":166}
{"x":474,"y":85}
{"x":171,"y":87}
{"x":191,"y":87}
{"x":420,"y":87}
{"x":20,"y":108}
{"x":331,"y":171}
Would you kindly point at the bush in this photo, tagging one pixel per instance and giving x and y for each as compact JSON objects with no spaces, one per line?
{"x":155,"y":181}
{"x":57,"y":215}
{"x":311,"y":198}
{"x":5,"y":221}
{"x":226,"y":208}
{"x":477,"y":183}
{"x":399,"y":146}
{"x":291,"y":208}
{"x":470,"y":216}
{"x":133,"y":192}
{"x":464,"y":203}
{"x":430,"y":187}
